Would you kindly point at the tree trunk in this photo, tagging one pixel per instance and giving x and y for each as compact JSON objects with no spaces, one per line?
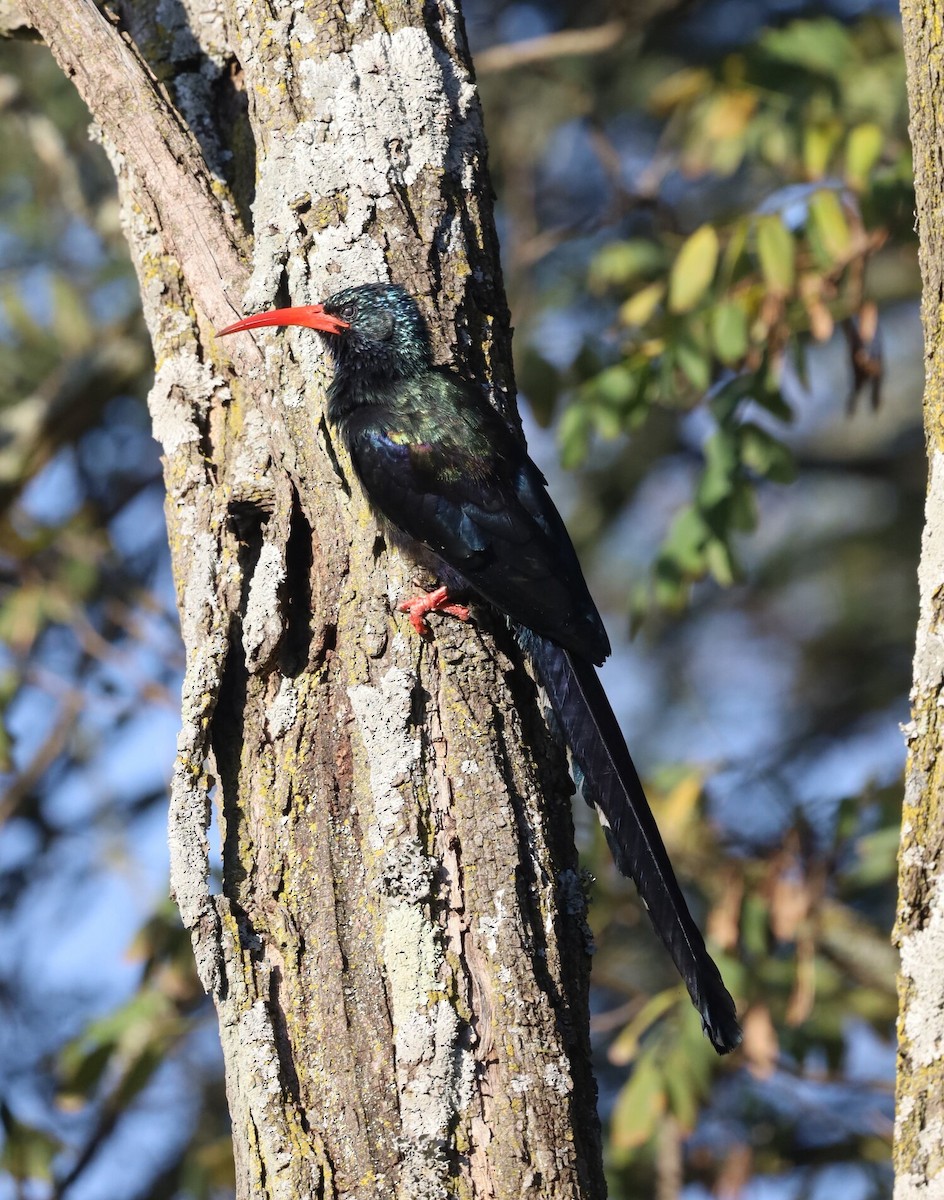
{"x":398,"y":949}
{"x":919,"y":1127}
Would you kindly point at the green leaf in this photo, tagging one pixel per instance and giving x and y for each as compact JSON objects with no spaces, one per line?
{"x":777,"y":253}
{"x":27,"y":1152}
{"x":573,"y":434}
{"x":23,"y":615}
{"x":721,"y":467}
{"x":863,"y":150}
{"x":694,"y":363}
{"x":81,"y":1069}
{"x":639,"y":1106}
{"x":776,"y":144}
{"x":621,"y":263}
{"x":875,"y":858}
{"x":139,"y":1072}
{"x":137,"y":1014}
{"x":71,"y":321}
{"x":819,"y":144}
{"x":742,"y":507}
{"x":638,"y":310}
{"x":721,"y":562}
{"x":607,"y":422}
{"x":764,"y":454}
{"x":693,"y":269}
{"x":684,"y":543}
{"x":769,"y":396}
{"x":670,"y":588}
{"x":821,"y":45}
{"x":682,"y":1096}
{"x":687,"y":1068}
{"x":678,"y":89}
{"x":729,"y":332}
{"x":737,"y":240}
{"x":625,"y":1046}
{"x":727,"y":398}
{"x":613,"y":386}
{"x":829,"y":224}
{"x":15,"y":311}
{"x":754,"y":931}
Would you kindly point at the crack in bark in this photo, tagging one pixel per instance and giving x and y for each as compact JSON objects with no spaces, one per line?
{"x":297,"y":598}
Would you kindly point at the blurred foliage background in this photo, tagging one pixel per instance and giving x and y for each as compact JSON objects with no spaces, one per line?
{"x":706,"y":215}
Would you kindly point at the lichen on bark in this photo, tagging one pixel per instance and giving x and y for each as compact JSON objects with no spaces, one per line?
{"x":397,"y":953}
{"x":919,"y":1123}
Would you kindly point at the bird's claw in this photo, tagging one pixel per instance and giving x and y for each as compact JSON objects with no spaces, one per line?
{"x":438,"y":601}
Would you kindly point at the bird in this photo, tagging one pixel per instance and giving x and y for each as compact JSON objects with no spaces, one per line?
{"x":453,"y":478}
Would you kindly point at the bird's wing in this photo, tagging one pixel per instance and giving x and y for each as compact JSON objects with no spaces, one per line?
{"x":489,"y":517}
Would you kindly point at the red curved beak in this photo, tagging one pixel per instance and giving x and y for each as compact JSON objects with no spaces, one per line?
{"x":313,"y":316}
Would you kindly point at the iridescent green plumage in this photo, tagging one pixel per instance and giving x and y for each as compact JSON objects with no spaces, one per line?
{"x":442,"y":466}
{"x":440,"y":463}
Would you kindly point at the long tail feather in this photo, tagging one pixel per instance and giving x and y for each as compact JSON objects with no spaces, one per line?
{"x":612,"y":785}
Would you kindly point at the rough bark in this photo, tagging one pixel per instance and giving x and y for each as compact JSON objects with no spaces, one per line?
{"x":919,"y":1128}
{"x":398,"y":951}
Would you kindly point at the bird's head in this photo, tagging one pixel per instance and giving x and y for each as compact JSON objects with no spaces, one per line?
{"x":374,"y":329}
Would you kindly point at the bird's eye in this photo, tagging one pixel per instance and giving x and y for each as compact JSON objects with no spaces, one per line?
{"x":348,"y":312}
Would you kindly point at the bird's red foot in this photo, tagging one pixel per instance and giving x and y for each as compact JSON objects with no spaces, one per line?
{"x":437,"y":601}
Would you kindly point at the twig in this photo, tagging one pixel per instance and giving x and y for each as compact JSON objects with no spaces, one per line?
{"x":568,"y":43}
